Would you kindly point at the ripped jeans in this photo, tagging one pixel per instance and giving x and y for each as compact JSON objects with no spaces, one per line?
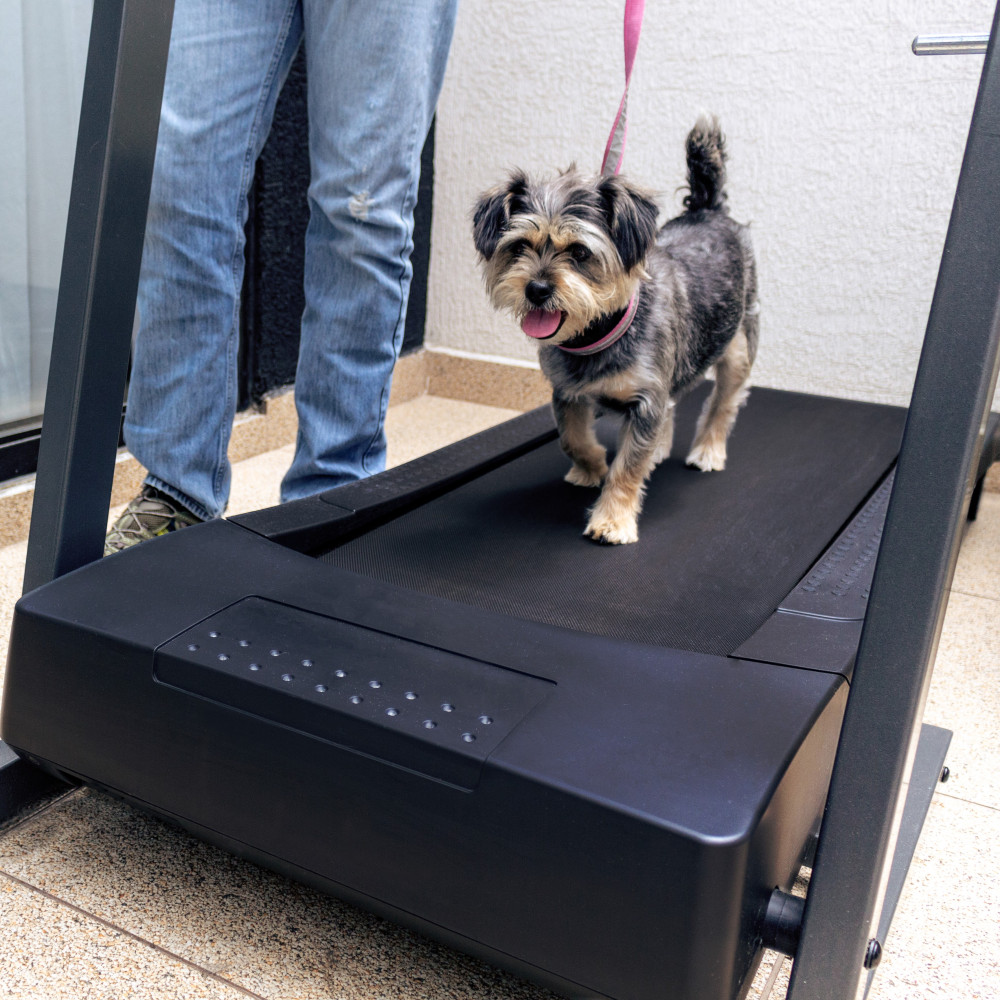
{"x":374,"y":73}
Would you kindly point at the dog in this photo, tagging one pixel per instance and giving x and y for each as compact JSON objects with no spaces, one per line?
{"x":628,"y":317}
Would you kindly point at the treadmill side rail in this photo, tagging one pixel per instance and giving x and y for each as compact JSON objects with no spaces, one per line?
{"x":818,"y":625}
{"x":338,"y":515}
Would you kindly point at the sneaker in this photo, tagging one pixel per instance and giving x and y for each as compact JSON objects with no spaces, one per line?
{"x":149,"y":515}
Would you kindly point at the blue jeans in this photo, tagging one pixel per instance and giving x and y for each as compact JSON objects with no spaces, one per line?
{"x":374,"y":73}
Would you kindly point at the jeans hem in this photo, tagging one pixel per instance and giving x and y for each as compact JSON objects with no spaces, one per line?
{"x":192,"y":505}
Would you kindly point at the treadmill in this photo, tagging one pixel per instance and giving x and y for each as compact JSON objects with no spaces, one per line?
{"x":427,"y":693}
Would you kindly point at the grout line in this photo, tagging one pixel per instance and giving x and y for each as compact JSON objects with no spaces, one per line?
{"x":995,"y":598}
{"x":968,"y":802}
{"x":776,"y":967}
{"x":33,"y":813}
{"x":129,"y":934}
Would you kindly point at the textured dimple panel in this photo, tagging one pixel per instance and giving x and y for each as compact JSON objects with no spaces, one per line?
{"x":416,"y":706}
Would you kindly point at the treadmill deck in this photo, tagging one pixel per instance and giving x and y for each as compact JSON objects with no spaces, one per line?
{"x":717,"y":552}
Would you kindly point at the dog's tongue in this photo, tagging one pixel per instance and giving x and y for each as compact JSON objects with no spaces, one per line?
{"x":541,"y":323}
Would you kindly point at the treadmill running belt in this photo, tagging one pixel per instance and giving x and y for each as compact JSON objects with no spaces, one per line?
{"x":717,"y":552}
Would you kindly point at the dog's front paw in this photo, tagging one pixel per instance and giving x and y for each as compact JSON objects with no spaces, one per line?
{"x":708,"y":457}
{"x":586,"y":475}
{"x":612,"y":531}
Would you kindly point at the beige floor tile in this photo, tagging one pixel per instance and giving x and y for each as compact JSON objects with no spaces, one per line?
{"x":965,"y":697}
{"x":54,"y":952}
{"x":269,"y":935}
{"x":770,"y":984}
{"x":431,"y":422}
{"x":11,"y":575}
{"x":257,"y":480}
{"x":945,"y":939}
{"x":978,"y":569}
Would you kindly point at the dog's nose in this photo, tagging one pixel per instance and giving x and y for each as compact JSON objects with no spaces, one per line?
{"x":538,"y":292}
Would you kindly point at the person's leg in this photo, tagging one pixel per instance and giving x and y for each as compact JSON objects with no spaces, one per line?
{"x":227,"y":62}
{"x":375,"y":69}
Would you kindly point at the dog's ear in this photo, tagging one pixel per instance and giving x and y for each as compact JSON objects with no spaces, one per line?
{"x":631,"y":219}
{"x":492,"y":213}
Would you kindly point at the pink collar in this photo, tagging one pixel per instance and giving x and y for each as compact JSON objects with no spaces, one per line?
{"x":616,"y":332}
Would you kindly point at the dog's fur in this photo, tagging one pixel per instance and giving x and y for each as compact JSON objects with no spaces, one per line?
{"x":582,"y":248}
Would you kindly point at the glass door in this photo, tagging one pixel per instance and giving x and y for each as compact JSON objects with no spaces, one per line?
{"x":43,"y":51}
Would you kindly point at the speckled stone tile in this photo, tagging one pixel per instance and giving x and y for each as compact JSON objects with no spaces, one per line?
{"x":15,"y":509}
{"x":764,"y":987}
{"x":11,"y":576}
{"x":978,"y":568}
{"x":257,"y":481}
{"x":272,"y":425}
{"x":271,"y":936}
{"x":54,"y":952}
{"x":965,"y":697}
{"x":945,"y":939}
{"x":409,"y":378}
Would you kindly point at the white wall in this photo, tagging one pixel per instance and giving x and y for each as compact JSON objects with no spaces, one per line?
{"x":844,"y":152}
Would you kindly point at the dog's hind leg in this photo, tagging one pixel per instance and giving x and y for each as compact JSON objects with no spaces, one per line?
{"x":577,"y":439}
{"x":665,"y":440}
{"x":614,"y":519}
{"x":732,"y":370}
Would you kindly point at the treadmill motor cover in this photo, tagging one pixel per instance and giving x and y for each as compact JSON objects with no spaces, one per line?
{"x":428,"y":694}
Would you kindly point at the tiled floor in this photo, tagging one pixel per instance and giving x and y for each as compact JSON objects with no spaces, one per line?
{"x":98,"y":900}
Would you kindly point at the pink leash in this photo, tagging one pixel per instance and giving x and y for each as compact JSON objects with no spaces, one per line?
{"x":614,"y":152}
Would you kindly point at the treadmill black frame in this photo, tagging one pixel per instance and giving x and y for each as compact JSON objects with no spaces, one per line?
{"x":937,"y":466}
{"x":92,"y":335}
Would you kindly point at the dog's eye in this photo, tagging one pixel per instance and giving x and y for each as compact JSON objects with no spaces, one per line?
{"x":517,"y":248}
{"x":579,"y":253}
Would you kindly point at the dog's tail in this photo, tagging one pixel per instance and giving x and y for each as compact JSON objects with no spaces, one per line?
{"x":706,"y":162}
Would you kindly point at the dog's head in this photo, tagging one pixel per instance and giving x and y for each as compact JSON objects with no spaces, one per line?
{"x":559,"y":255}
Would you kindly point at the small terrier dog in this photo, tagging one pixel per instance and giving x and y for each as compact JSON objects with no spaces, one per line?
{"x":627,"y":318}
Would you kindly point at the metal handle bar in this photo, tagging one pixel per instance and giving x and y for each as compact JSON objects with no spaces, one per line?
{"x":949,"y":45}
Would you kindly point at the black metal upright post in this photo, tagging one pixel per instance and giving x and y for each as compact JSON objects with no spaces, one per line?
{"x":116,"y":144}
{"x":952,"y":393}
